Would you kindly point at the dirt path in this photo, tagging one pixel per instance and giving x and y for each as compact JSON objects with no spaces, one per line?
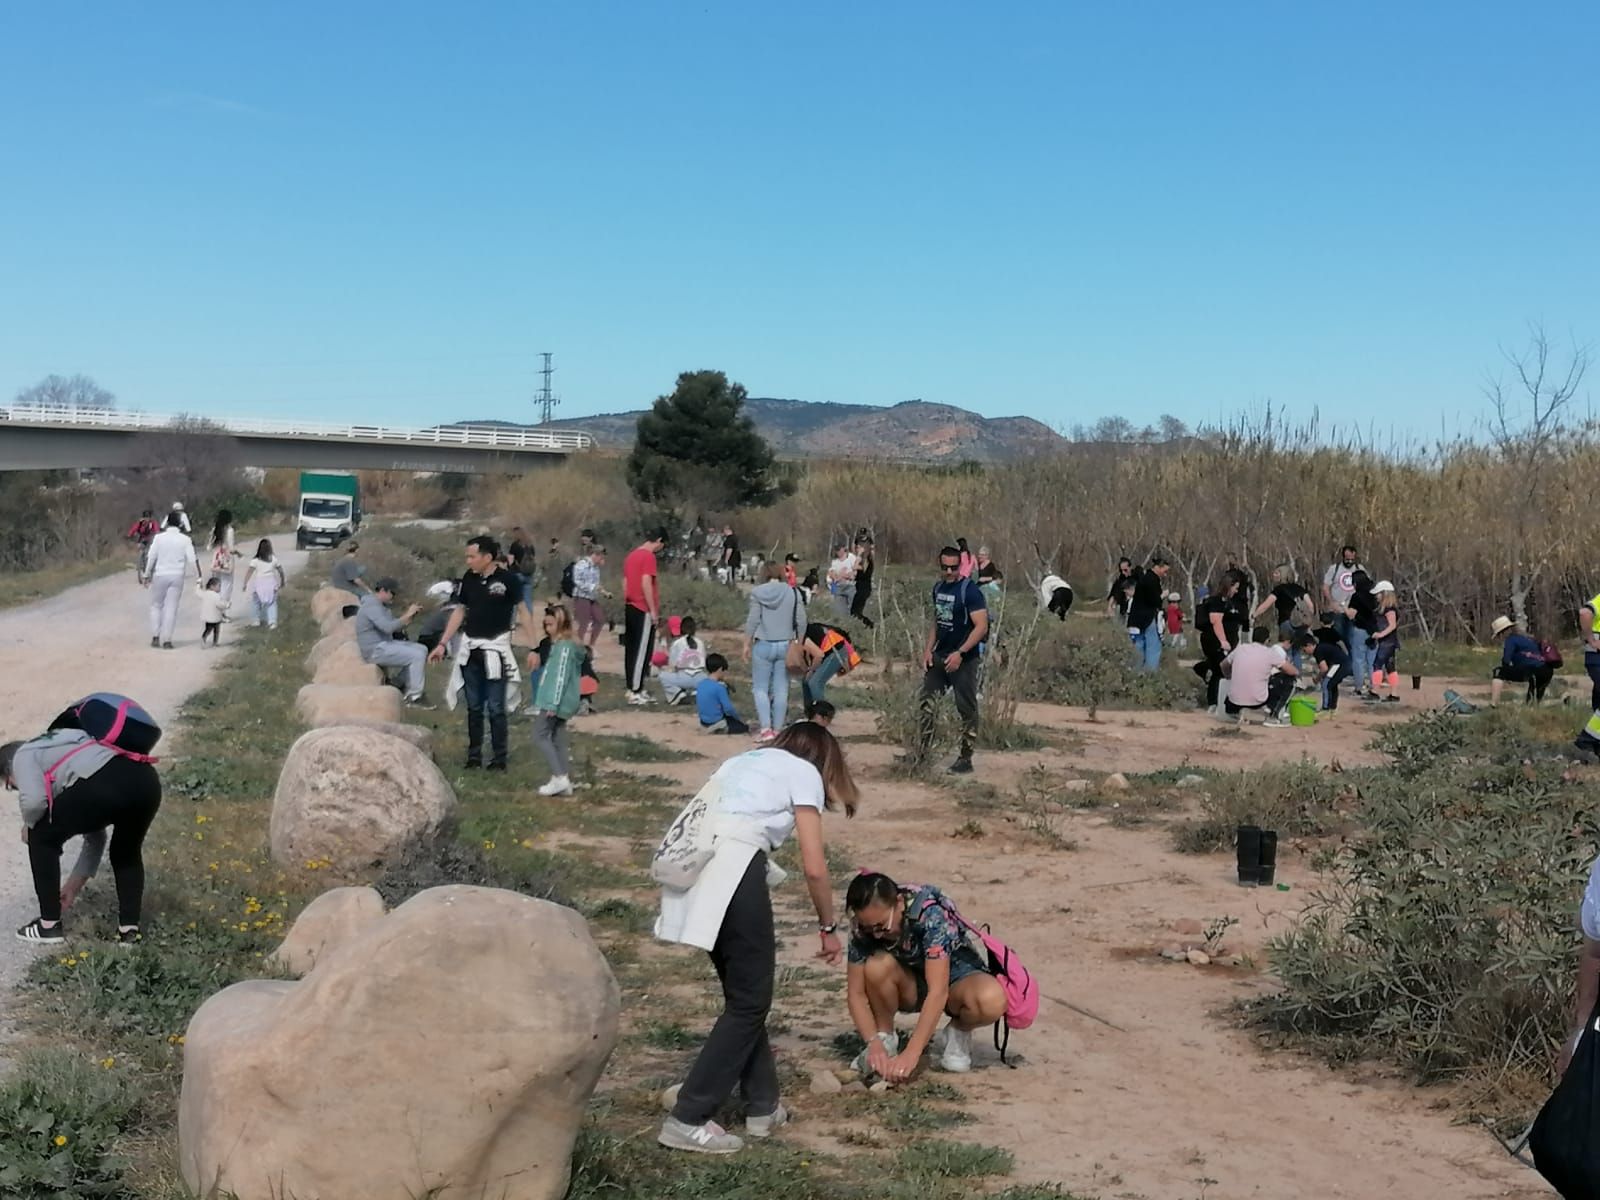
{"x":94,"y":637}
{"x":1176,"y":1103}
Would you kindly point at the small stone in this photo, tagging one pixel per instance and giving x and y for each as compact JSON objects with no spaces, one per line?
{"x":1233,"y":960}
{"x":850,"y":1089}
{"x":825,"y":1083}
{"x":1191,"y":781}
{"x":1189,"y":927}
{"x":1199,"y":958}
{"x":880,"y":1087}
{"x":847,"y":1077}
{"x":958,"y":878}
{"x":1117,"y":782}
{"x":1174,"y":954}
{"x":1075,"y":785}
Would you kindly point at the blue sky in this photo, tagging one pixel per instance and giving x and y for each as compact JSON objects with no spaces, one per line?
{"x":386,"y":210}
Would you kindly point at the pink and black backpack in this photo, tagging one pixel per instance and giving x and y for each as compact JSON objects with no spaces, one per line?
{"x":115,"y":722}
{"x":1021,"y":988}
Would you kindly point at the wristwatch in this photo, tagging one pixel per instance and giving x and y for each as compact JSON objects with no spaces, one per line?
{"x":827,"y":929}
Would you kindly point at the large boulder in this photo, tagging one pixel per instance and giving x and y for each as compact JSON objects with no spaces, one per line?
{"x":448,"y":1050}
{"x":332,"y":918}
{"x":343,"y":664}
{"x":334,"y":622}
{"x":420,"y":736}
{"x":328,"y":599}
{"x":345,"y":634}
{"x":353,"y":798}
{"x":320,"y":704}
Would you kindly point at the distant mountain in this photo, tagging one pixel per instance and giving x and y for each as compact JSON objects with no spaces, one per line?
{"x":913,"y":431}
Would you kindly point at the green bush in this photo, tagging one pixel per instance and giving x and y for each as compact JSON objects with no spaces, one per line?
{"x":1446,"y":937}
{"x":1293,"y":799}
{"x":60,"y":1117}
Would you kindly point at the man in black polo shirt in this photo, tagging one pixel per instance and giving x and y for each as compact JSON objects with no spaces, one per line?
{"x":490,"y":605}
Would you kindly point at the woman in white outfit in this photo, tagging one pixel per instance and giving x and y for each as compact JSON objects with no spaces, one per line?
{"x":166,"y":570}
{"x":761,"y":798}
{"x":223,"y":554}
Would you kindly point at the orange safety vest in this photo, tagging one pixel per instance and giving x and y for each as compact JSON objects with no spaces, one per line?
{"x":834,"y":638}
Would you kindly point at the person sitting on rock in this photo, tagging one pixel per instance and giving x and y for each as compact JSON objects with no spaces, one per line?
{"x":376,"y":627}
{"x":909,"y":952}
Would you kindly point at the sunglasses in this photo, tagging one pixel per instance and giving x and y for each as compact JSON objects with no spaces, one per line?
{"x":944,"y":566}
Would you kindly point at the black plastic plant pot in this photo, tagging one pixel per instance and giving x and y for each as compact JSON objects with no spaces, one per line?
{"x":1268,"y":872}
{"x":1249,"y":839}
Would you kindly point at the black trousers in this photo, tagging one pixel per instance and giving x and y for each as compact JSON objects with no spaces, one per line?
{"x":1537,"y":678}
{"x":1591,"y":664}
{"x":123,"y":795}
{"x":858,"y":606}
{"x":737,"y":1052}
{"x":1060,"y":602}
{"x":964,"y":683}
{"x":638,"y":644}
{"x":1279,"y":688}
{"x":1209,"y":668}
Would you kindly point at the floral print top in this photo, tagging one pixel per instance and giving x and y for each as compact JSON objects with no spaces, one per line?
{"x":928,"y":931}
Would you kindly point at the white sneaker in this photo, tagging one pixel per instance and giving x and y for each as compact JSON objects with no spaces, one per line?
{"x":638,"y":699}
{"x":709,"y":1138}
{"x":762,"y":1127}
{"x":957,"y":1056}
{"x":559,"y":785}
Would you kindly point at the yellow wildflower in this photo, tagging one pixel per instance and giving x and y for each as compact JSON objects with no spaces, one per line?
{"x":108,"y":1062}
{"x":60,"y":1140}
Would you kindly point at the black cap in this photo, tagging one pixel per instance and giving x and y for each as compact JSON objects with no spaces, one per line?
{"x":791,"y":558}
{"x":387,"y":584}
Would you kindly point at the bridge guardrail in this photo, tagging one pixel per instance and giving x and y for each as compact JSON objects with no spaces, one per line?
{"x":486,"y":436}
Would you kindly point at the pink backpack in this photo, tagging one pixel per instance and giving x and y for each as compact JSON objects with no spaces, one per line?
{"x":1021,"y":988}
{"x":113,"y":722}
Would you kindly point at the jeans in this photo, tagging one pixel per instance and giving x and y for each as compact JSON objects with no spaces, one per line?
{"x":1361,"y":658}
{"x":122,"y":794}
{"x":674,"y":683}
{"x":964,"y":682}
{"x":165,"y":592}
{"x":485,"y":698}
{"x":264,"y":611}
{"x":554,"y":739}
{"x":737,"y":1052}
{"x":814,"y":686}
{"x":769,"y":680}
{"x":1331,"y":683}
{"x":1147,"y":645}
{"x":844,"y":597}
{"x":409,"y":655}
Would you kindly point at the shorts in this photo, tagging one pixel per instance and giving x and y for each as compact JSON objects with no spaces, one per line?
{"x":963,"y":962}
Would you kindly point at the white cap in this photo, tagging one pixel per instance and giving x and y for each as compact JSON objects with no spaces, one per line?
{"x":442,"y":590}
{"x":1382,"y":586}
{"x":177,"y":506}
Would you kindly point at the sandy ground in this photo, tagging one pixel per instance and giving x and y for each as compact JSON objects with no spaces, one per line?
{"x":1176,"y":1103}
{"x":94,"y":637}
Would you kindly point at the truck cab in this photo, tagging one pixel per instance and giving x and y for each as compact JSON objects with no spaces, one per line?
{"x":329,"y":509}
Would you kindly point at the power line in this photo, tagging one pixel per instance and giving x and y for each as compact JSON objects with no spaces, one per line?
{"x":546,"y":400}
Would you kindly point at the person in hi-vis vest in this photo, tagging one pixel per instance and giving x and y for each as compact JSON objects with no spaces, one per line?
{"x":1589,"y":629}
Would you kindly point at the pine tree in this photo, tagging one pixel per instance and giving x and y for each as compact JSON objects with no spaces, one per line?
{"x":697,"y":448}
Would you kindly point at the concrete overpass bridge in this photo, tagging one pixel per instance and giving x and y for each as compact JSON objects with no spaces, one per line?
{"x":35,"y":438}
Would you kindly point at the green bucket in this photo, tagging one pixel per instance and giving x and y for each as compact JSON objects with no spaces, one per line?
{"x":1302,"y":711}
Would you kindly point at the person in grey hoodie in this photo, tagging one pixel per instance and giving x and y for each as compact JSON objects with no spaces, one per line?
{"x":376,"y":627}
{"x":93,"y":788}
{"x":777,"y":618}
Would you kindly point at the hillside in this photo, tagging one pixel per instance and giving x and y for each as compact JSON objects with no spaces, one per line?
{"x":913,"y":431}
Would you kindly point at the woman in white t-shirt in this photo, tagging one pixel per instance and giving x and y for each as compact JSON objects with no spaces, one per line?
{"x":842,"y":579}
{"x":686,"y":664}
{"x":763,"y":796}
{"x":223,"y":553}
